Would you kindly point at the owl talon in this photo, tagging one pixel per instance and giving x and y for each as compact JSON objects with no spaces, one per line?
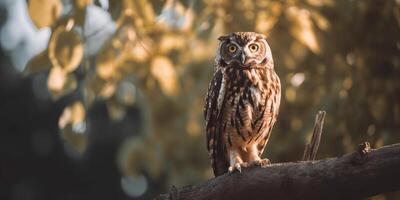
{"x":235,"y":167}
{"x":262,"y":163}
{"x":238,"y":167}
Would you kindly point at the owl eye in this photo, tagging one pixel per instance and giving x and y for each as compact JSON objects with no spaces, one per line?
{"x":253,"y":47}
{"x":232,"y":48}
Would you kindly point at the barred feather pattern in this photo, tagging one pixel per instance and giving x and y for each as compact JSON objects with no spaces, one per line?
{"x":240,"y":110}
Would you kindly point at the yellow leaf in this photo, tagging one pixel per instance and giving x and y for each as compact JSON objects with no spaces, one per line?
{"x":73,"y":127}
{"x":60,"y":82}
{"x":170,"y":42}
{"x":65,"y":49}
{"x":139,"y":52}
{"x":141,"y":12}
{"x":162,"y":69}
{"x":80,"y":4}
{"x":78,"y":113}
{"x":107,"y":90}
{"x":266,"y":20}
{"x":101,"y":87}
{"x":37,"y":64}
{"x":106,"y":64}
{"x":146,"y":10}
{"x":320,"y":3}
{"x":302,"y":28}
{"x":57,"y":79}
{"x":44,"y":12}
{"x":73,"y":114}
{"x":137,"y":49}
{"x":320,"y":21}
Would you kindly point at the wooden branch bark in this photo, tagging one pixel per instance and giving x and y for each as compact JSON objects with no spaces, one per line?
{"x":352,"y":176}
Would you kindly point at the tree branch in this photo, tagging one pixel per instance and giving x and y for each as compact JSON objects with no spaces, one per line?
{"x":310,"y":152}
{"x":356,"y":175}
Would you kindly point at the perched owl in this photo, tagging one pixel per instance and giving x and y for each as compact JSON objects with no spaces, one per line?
{"x":242,"y":102}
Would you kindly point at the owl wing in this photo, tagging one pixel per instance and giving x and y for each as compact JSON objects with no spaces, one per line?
{"x":212,"y":114}
{"x":272,"y":110}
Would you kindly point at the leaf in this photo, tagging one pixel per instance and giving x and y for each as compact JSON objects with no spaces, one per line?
{"x":38,"y":64}
{"x":73,"y":114}
{"x":146,"y":10}
{"x":106,"y":67}
{"x":302,"y":28}
{"x":57,"y":79}
{"x":171,"y":42}
{"x":162,"y":69}
{"x":136,"y":48}
{"x":81,"y":4}
{"x":44,"y":13}
{"x":100,"y":87}
{"x":142,"y":12}
{"x":65,"y":48}
{"x":60,"y":82}
{"x":266,"y":20}
{"x":72,"y":124}
{"x":139,"y":52}
{"x":320,"y":3}
{"x":320,"y":21}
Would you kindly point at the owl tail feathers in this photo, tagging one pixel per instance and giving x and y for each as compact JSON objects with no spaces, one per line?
{"x":219,"y":162}
{"x":220,"y":166}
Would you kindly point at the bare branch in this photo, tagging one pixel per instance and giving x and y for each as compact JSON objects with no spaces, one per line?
{"x":352,"y":176}
{"x":310,"y":152}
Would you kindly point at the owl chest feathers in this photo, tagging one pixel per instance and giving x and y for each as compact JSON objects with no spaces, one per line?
{"x":247,"y":102}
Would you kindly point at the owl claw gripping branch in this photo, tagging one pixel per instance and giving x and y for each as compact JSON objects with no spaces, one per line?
{"x":242,"y":102}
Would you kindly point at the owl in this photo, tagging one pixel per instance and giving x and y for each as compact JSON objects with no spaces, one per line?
{"x":242,"y":102}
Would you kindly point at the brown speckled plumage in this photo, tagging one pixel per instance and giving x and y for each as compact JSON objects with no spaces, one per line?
{"x":242,"y":102}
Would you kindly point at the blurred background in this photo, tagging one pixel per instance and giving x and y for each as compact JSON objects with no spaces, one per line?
{"x":102,"y":99}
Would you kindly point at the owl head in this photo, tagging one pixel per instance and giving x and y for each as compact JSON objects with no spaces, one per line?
{"x":244,"y":50}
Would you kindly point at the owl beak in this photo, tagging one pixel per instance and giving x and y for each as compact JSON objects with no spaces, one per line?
{"x":243,"y":58}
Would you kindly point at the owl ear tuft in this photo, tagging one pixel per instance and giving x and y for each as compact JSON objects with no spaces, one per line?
{"x":261,"y":36}
{"x":223,"y":38}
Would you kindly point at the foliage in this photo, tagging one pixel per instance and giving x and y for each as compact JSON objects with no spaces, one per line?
{"x":339,"y":56}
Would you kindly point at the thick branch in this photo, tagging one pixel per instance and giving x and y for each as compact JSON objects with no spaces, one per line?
{"x":352,"y":176}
